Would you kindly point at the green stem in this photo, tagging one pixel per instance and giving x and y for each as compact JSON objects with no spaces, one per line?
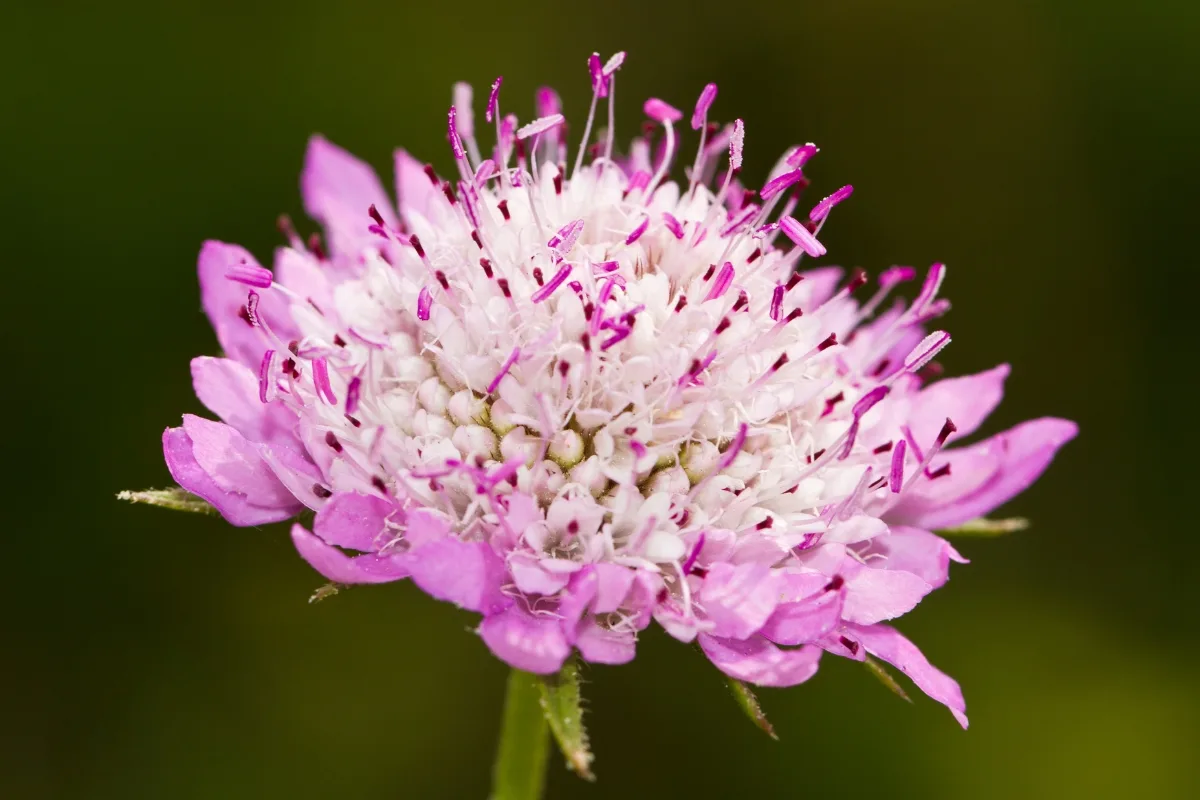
{"x":520,"y":769}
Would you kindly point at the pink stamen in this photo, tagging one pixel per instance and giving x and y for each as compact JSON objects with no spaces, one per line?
{"x":452,"y":132}
{"x":463,"y":95}
{"x":353,"y":390}
{"x":673,"y":225}
{"x":321,"y":380}
{"x":924,"y":352}
{"x":547,"y":290}
{"x":777,"y":302}
{"x":424,"y":301}
{"x":778,"y":184}
{"x":802,"y":155}
{"x":822,"y":209}
{"x":707,"y":96}
{"x":504,"y":368}
{"x":801,"y":236}
{"x":250,"y":274}
{"x":493,"y":102}
{"x":264,"y":375}
{"x":637,"y":232}
{"x":736,"y":142}
{"x":662,"y":112}
{"x":724,"y":279}
{"x":539,"y":126}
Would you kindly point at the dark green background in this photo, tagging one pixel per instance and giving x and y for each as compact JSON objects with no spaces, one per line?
{"x":1048,"y":151}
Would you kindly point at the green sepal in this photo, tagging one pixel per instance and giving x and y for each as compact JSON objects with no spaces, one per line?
{"x":886,"y":678}
{"x":987,"y":527}
{"x":562,"y":704}
{"x":175,"y":498}
{"x":747,"y":700}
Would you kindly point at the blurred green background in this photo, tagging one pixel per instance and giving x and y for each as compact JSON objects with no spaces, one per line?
{"x":1046,"y":150}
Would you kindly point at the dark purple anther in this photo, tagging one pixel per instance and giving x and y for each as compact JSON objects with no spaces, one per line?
{"x":353,"y":390}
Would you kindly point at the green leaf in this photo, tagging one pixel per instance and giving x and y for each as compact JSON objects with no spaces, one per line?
{"x":987,"y":527}
{"x":748,"y":701}
{"x":885,"y":677}
{"x":562,"y":703}
{"x":175,"y":498}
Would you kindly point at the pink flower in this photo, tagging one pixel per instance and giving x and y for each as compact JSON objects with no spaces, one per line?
{"x":576,"y":403}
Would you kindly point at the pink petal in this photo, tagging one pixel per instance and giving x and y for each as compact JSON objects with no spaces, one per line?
{"x":739,"y":599}
{"x":967,"y":400}
{"x":873,"y":595}
{"x":468,"y":574}
{"x":234,"y":464}
{"x":1021,"y":455}
{"x":614,"y":583}
{"x":415,"y":192}
{"x":757,"y":661}
{"x":303,"y":275}
{"x":224,"y":301}
{"x":357,"y":521}
{"x":234,"y":507}
{"x":297,"y":472}
{"x":530,"y":578}
{"x":338,"y":190}
{"x":534,"y":644}
{"x":913,"y":550}
{"x":887,"y":643}
{"x":600,"y":645}
{"x":808,"y":610}
{"x":341,"y":568}
{"x":229,"y":389}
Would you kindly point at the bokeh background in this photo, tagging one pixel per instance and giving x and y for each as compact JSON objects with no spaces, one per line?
{"x":1046,"y":150}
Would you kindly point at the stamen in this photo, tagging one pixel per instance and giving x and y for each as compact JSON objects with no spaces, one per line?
{"x":321,"y":380}
{"x":924,"y":352}
{"x":547,"y":290}
{"x":353,"y":390}
{"x":822,"y":209}
{"x":673,"y":225}
{"x":637,"y":232}
{"x":539,"y":126}
{"x":493,"y":103}
{"x":250,"y":274}
{"x":802,"y":237}
{"x":724,"y":279}
{"x":504,"y":368}
{"x":264,"y":375}
{"x":424,"y":302}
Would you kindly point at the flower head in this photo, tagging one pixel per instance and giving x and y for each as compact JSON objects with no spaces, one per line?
{"x":577,"y":397}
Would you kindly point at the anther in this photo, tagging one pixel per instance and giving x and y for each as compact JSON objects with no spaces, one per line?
{"x":333,"y":442}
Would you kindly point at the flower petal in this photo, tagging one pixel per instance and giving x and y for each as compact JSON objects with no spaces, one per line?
{"x":757,"y":661}
{"x":338,"y":190}
{"x":739,"y":599}
{"x":414,"y":191}
{"x":601,"y":645}
{"x":468,"y":574}
{"x":229,"y":389}
{"x":357,"y":521}
{"x":234,"y":464}
{"x":809,"y":609}
{"x":913,"y":550}
{"x":873,"y":595}
{"x":1021,"y":454}
{"x":341,"y":568}
{"x":534,"y":644}
{"x":887,"y":643}
{"x":234,"y":506}
{"x":967,"y":400}
{"x":224,"y":302}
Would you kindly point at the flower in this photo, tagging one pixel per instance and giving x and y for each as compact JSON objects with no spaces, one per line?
{"x":579,"y":398}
